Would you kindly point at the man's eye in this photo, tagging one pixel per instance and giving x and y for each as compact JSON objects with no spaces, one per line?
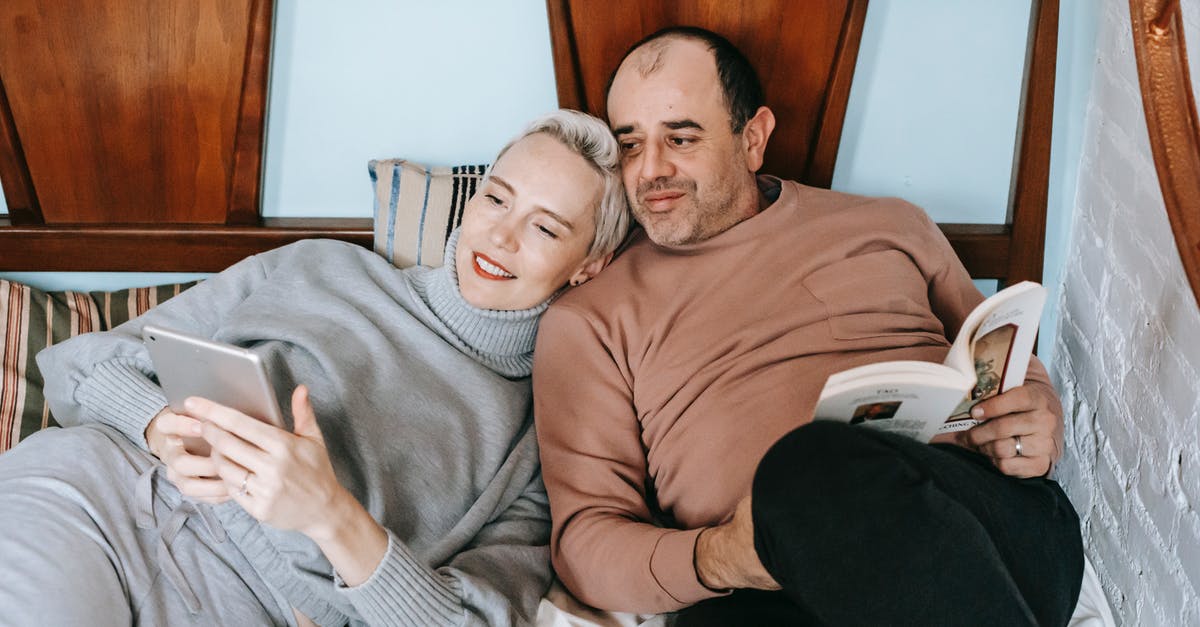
{"x":629,"y":146}
{"x":682,"y":141}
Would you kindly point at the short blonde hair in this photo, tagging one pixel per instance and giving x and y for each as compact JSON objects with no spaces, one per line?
{"x":590,"y":138}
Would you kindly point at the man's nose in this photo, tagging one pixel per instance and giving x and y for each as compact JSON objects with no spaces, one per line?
{"x":656,"y":163}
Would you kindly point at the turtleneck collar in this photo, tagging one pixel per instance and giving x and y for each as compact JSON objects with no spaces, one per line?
{"x":500,"y":340}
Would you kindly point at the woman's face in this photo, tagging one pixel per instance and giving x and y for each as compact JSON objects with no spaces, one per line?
{"x":527,"y":230}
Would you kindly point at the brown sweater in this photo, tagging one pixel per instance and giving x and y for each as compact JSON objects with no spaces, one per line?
{"x":659,"y":385}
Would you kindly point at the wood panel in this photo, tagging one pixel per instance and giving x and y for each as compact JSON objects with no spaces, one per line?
{"x":1171,"y":117}
{"x":135,"y":111}
{"x":804,"y":53}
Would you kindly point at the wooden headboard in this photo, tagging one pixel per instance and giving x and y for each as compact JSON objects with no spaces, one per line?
{"x":805,"y":53}
{"x":117,"y":135}
{"x":131,"y":136}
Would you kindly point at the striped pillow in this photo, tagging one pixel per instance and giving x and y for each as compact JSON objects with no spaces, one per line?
{"x":32,"y":320}
{"x":416,"y":208}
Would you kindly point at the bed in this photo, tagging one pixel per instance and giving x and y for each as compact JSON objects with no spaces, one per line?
{"x":81,"y":200}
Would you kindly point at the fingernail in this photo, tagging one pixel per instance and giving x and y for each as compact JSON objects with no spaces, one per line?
{"x":197,"y":428}
{"x":977,"y":412}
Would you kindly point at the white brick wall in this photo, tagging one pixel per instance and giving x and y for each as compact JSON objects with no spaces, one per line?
{"x":1127,"y":357}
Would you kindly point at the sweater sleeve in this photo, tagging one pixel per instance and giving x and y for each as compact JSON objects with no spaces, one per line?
{"x":603,"y":544}
{"x":107,"y":377}
{"x":499,"y":580}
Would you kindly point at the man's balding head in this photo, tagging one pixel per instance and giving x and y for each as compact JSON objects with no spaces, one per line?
{"x":743,"y":93}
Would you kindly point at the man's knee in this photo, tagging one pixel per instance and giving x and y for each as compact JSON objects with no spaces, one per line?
{"x":826,"y":455}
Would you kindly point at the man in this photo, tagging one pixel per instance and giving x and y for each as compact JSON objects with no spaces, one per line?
{"x":673,"y":392}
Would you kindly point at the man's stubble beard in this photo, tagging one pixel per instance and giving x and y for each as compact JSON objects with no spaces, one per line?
{"x":697,"y":222}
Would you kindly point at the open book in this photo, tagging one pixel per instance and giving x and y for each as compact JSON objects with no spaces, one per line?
{"x":921,"y":399}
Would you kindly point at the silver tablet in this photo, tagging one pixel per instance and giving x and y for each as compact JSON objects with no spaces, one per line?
{"x":188,"y":365}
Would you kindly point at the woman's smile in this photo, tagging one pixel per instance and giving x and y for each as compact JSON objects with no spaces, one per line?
{"x":488,"y":268}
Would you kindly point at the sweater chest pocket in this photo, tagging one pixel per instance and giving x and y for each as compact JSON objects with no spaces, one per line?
{"x":875,"y":294}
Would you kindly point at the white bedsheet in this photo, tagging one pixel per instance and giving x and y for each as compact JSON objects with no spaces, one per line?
{"x":560,"y":609}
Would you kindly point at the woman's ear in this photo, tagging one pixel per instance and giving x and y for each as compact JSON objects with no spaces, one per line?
{"x":755,"y":135}
{"x":589,"y":269}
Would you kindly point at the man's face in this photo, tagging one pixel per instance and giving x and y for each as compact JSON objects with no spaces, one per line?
{"x":684,"y":169}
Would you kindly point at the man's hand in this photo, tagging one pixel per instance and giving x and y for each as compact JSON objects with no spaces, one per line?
{"x":1030,"y":415}
{"x":726,"y":558}
{"x":194,"y":474}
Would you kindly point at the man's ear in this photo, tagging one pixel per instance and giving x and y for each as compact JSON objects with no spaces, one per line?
{"x":590,"y":269}
{"x":755,"y":135}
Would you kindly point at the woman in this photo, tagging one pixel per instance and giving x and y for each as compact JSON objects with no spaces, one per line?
{"x":408,"y":491}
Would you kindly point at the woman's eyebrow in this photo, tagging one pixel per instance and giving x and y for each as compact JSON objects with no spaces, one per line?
{"x":502,"y":183}
{"x":557,"y":218}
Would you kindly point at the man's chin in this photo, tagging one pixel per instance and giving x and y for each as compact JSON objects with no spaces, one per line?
{"x":663,"y":228}
{"x":668,"y":235}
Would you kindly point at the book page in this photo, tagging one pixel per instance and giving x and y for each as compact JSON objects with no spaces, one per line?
{"x":910,"y":398}
{"x":1000,"y":346}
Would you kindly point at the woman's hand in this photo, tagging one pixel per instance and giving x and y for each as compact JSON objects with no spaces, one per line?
{"x":1021,"y":430}
{"x":286,"y":480}
{"x":172,"y":438}
{"x":283,"y":479}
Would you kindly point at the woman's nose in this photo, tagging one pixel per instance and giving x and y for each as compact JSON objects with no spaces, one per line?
{"x":503,"y":233}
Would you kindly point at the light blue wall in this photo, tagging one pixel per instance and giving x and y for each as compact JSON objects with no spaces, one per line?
{"x":449,"y":82}
{"x":1078,"y":22}
{"x":932,"y":115}
{"x":439,"y":82}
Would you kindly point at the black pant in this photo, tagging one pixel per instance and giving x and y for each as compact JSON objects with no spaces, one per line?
{"x":865,"y":528}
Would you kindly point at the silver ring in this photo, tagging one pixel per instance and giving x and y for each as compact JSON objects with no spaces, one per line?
{"x":1016,"y":438}
{"x":244,"y":491}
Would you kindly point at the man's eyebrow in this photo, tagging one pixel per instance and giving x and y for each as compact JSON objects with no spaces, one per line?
{"x":675,"y":125}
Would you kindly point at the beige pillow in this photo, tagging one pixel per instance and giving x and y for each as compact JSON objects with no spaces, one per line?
{"x":417,"y":207}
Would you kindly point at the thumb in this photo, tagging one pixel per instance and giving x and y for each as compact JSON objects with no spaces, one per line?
{"x":304,"y":419}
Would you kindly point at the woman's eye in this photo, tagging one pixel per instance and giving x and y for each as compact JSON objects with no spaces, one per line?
{"x":495,"y":200}
{"x":547,"y":232}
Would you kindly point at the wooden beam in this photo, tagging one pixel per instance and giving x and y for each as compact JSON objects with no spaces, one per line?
{"x":19,"y":193}
{"x":158,"y":248}
{"x":831,"y":120}
{"x":985,"y":249}
{"x":1031,"y":167}
{"x":245,"y":183}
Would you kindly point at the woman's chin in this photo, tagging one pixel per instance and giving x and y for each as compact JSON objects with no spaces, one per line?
{"x":487,"y":301}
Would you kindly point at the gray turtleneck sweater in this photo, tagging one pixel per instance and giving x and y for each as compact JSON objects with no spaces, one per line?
{"x":424,"y":403}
